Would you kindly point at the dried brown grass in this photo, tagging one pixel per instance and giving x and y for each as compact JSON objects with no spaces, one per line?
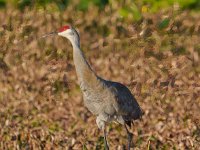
{"x":41,"y":106}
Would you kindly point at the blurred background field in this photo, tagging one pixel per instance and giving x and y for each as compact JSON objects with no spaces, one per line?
{"x":152,"y":46}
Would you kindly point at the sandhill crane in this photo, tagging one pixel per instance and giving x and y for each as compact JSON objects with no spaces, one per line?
{"x":108,"y":100}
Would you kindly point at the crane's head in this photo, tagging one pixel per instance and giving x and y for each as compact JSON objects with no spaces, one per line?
{"x":67,"y":32}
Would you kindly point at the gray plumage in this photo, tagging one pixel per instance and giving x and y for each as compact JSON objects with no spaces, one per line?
{"x":111,"y":101}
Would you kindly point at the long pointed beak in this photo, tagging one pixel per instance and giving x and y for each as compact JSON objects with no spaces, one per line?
{"x":49,"y":34}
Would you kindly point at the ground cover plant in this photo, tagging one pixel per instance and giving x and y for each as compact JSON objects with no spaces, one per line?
{"x":154,"y":52}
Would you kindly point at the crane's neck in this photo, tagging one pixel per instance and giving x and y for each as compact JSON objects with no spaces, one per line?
{"x":86,"y":75}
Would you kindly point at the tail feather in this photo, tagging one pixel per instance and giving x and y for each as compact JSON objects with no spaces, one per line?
{"x":130,"y":122}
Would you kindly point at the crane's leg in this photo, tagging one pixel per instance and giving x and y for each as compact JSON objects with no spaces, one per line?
{"x":105,"y":139}
{"x":130,"y":136}
{"x":101,"y":125}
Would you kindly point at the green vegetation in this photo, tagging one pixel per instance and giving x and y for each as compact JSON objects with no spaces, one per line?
{"x":152,"y":5}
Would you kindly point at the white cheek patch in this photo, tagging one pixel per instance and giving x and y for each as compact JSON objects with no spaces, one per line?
{"x":64,"y":33}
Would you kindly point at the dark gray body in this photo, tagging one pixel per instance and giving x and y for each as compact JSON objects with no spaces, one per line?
{"x":112,"y":101}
